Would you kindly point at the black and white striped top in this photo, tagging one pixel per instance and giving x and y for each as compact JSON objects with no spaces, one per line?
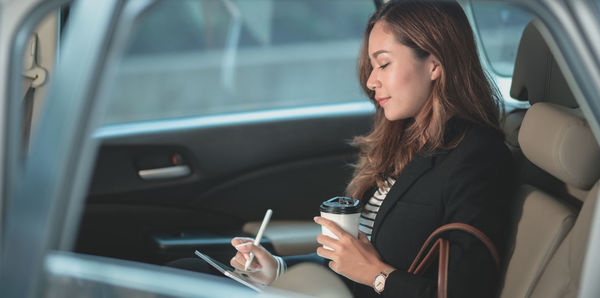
{"x":367,"y":218}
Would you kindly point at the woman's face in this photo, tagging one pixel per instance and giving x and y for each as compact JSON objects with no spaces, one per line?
{"x":402,"y":82}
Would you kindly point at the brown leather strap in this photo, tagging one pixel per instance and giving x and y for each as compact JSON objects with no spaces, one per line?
{"x":429,"y":257}
{"x":456,"y":226}
{"x":419,"y":264}
{"x":443,"y":268}
{"x":475,"y":232}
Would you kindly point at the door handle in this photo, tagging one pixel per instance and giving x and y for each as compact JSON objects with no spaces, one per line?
{"x":165,"y":173}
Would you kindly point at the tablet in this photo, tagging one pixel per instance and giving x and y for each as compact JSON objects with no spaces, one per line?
{"x":232,"y":273}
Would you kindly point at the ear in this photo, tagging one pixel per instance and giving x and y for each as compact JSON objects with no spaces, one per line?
{"x":435,"y":68}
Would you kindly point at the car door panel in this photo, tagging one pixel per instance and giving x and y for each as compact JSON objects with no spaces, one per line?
{"x":237,"y":172}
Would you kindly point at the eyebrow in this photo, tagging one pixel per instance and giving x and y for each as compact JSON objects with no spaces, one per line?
{"x":378,"y":52}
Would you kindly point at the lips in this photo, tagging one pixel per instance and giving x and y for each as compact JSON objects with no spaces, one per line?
{"x":382,"y":100}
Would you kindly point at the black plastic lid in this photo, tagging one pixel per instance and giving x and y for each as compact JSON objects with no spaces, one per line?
{"x":341,"y":205}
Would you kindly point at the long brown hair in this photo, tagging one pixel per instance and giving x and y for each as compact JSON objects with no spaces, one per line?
{"x":463,"y":90}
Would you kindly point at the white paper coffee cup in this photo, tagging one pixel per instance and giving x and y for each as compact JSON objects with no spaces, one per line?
{"x":345,"y":212}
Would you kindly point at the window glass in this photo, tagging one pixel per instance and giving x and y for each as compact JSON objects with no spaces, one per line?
{"x":189,"y":58}
{"x":500,"y":28}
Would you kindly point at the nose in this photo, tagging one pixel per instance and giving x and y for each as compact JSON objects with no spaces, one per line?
{"x":372,"y":81}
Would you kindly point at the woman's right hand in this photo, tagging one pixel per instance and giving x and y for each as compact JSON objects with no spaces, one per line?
{"x":264,"y":266}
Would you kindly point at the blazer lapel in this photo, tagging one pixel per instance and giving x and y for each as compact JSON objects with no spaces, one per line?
{"x":415,"y":169}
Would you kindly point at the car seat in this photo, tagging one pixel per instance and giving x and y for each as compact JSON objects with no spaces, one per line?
{"x":559,"y":170}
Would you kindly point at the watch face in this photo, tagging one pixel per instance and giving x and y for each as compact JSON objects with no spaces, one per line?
{"x":379,"y":283}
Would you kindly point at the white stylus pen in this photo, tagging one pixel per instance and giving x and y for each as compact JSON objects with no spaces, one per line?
{"x":259,"y":235}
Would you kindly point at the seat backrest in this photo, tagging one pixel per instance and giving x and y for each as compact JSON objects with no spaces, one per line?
{"x":556,"y":167}
{"x":542,"y":220}
{"x":562,"y":276}
{"x":571,"y":153}
{"x":542,"y":225}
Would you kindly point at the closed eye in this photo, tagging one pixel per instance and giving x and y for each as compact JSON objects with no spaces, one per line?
{"x":384,"y":66}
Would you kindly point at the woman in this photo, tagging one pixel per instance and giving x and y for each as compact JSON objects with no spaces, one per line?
{"x":435,"y":156}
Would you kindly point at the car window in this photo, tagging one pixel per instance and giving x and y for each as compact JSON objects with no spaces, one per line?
{"x":191,"y":58}
{"x":500,"y":27}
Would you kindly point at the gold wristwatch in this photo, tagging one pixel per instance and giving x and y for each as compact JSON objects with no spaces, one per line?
{"x":379,"y":281}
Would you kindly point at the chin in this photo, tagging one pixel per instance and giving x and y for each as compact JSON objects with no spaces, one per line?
{"x":395,"y":116}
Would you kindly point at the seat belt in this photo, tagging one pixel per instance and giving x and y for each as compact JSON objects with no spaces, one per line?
{"x":27,"y":116}
{"x":35,"y":76}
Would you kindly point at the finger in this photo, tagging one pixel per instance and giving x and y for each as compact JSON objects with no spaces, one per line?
{"x":332,"y":226}
{"x":328,"y":241}
{"x":239,"y":262}
{"x":242,"y":257}
{"x":260,"y":252}
{"x":236,"y":263}
{"x":326,"y":253}
{"x":363,"y":237}
{"x":240,"y":240}
{"x":333,"y":266}
{"x":244,"y":248}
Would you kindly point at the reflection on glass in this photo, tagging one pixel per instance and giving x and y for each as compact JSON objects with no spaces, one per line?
{"x":189,"y":58}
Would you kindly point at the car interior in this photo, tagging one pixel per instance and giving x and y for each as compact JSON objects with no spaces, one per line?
{"x":159,"y":194}
{"x":557,"y":158}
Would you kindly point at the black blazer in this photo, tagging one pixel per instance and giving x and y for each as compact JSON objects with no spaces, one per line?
{"x":470,"y":184}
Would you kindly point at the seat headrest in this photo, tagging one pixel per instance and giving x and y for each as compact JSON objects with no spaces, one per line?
{"x":559,"y":140}
{"x":536,"y":76}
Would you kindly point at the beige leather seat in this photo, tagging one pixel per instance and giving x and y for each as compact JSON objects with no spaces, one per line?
{"x":536,"y":78}
{"x":575,"y":159}
{"x":556,"y":141}
{"x":559,"y":141}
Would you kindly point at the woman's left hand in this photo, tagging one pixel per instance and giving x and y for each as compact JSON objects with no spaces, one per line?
{"x":353,"y":258}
